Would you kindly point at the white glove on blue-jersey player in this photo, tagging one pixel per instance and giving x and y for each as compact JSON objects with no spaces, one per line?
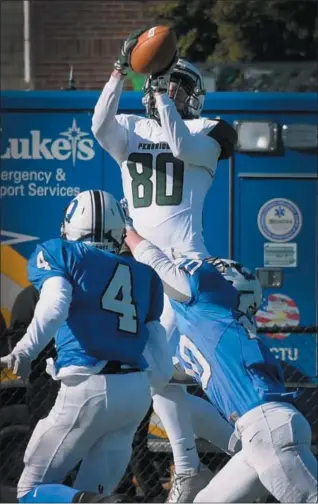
{"x":19,"y":363}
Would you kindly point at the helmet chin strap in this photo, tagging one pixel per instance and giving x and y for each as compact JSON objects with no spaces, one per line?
{"x":85,"y":239}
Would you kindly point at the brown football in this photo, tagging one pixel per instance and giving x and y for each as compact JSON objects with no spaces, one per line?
{"x":154,"y":50}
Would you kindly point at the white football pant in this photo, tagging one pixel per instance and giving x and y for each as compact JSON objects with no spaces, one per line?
{"x":208,"y":424}
{"x":94,"y":419}
{"x":172,"y":407}
{"x":276,"y":445}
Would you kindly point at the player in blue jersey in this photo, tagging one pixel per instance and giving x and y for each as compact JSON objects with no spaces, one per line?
{"x":103,"y":311}
{"x":241,"y":378}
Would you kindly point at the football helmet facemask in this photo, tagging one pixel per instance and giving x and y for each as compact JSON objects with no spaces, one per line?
{"x":185,"y":88}
{"x":95,"y":218}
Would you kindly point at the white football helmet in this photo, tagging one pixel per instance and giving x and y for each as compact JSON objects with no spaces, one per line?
{"x":185,"y":76}
{"x":95,"y":218}
{"x":246,"y":283}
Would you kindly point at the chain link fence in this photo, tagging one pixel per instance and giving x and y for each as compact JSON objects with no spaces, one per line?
{"x":149,"y":475}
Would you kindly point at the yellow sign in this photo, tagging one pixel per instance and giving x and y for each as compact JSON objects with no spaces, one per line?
{"x":13,"y":278}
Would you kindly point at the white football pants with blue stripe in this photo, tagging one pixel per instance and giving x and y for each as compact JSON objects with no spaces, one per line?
{"x":94,"y":419}
{"x":276,"y":445}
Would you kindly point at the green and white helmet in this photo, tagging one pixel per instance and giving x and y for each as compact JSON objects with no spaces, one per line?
{"x":185,"y":76}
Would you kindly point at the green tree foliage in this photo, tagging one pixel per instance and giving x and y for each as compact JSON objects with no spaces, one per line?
{"x":244,"y":30}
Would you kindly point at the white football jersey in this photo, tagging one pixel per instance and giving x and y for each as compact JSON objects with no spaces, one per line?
{"x":166,"y":170}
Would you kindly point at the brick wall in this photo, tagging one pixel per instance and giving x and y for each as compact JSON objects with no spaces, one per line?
{"x":12,"y":69}
{"x":85,"y":33}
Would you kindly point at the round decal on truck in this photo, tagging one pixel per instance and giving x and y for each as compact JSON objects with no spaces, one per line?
{"x":279,"y":220}
{"x":278,"y":310}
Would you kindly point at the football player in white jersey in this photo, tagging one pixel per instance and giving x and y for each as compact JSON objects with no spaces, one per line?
{"x":168,"y":161}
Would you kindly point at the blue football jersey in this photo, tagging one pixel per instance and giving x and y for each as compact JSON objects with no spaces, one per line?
{"x":236,"y":371}
{"x":113,"y":298}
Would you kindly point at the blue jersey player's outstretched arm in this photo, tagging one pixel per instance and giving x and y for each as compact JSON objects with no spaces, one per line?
{"x":53,"y":282}
{"x":241,"y":377}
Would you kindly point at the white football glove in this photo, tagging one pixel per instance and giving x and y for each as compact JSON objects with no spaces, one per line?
{"x":20,"y":364}
{"x":129,"y":225}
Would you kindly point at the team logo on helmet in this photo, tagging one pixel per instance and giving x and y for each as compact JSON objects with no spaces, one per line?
{"x":95,"y":218}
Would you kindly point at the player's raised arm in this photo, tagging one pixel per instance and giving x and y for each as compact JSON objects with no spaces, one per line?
{"x":175,"y":281}
{"x":199,"y":148}
{"x":110,"y":130}
{"x":192,"y":148}
{"x":177,"y":94}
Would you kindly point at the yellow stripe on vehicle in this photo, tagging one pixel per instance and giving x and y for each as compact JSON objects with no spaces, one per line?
{"x":14,"y":265}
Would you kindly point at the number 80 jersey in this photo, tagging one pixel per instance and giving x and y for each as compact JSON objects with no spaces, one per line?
{"x":165,"y":195}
